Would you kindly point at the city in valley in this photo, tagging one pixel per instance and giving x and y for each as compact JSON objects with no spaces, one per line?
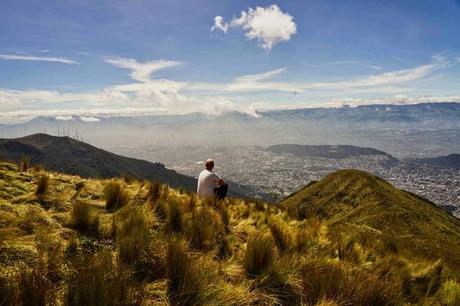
{"x":282,"y":174}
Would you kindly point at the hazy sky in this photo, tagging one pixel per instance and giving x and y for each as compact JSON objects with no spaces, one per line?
{"x":98,"y":57}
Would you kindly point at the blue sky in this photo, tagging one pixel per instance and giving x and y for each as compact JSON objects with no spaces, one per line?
{"x":94,"y":58}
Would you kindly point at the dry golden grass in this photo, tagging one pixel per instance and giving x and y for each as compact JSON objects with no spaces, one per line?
{"x":101,"y":242}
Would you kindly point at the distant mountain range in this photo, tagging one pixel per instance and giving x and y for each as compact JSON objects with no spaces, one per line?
{"x":401,"y":130}
{"x":67,"y":155}
{"x":328,"y":151}
{"x":449,"y":161}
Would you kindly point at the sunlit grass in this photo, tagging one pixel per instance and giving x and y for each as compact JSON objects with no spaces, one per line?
{"x":125,"y":242}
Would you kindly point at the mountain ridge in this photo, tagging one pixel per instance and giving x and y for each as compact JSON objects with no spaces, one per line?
{"x":356,"y":199}
{"x":65,"y":154}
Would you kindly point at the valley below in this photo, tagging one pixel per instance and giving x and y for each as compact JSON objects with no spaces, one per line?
{"x":283,"y":174}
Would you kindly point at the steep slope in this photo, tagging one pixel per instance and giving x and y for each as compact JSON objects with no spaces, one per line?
{"x":64,"y":154}
{"x":352,"y":200}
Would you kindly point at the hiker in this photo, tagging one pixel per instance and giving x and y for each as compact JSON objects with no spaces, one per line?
{"x":210,"y":184}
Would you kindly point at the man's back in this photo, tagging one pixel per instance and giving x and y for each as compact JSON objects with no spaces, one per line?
{"x":207,"y":181}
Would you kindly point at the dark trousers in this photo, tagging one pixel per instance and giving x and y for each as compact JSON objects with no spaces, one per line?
{"x":221,"y":191}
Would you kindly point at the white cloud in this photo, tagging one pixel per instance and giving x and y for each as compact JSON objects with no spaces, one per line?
{"x":353,"y":102}
{"x":15,"y":57}
{"x":141,"y":71}
{"x":162,"y":96}
{"x":219,"y":24}
{"x":260,"y":76}
{"x":268,"y":25}
{"x":89,"y":119}
{"x":64,"y":117}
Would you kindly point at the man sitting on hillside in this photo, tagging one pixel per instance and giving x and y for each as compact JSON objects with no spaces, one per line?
{"x":210,"y":184}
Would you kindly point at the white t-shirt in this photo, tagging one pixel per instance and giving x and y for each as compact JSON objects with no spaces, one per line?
{"x":207,"y":181}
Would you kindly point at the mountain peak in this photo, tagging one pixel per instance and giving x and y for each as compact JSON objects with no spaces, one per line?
{"x":353,"y":199}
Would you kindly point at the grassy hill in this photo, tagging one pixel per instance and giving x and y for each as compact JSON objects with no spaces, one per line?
{"x":370,"y":208}
{"x":350,"y":239}
{"x":67,"y":155}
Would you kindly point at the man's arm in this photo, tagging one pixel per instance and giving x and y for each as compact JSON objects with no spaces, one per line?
{"x":219,"y":181}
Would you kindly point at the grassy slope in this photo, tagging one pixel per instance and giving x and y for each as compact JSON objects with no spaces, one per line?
{"x":178,"y":250}
{"x":355,"y":201}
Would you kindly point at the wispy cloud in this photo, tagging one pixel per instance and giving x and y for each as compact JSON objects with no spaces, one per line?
{"x":385,"y":81}
{"x":162,"y":96}
{"x":141,"y":71}
{"x":353,"y":102}
{"x":15,"y":57}
{"x":268,"y":25}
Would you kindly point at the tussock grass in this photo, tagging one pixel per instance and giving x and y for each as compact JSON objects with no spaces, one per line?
{"x":449,"y":293}
{"x":24,"y":164}
{"x":85,"y":218}
{"x":281,"y":236}
{"x":282,"y":281}
{"x":224,"y":216}
{"x":43,"y":182}
{"x":128,"y":178}
{"x":154,"y":190}
{"x":259,"y":254}
{"x":187,"y":251}
{"x":33,"y":286}
{"x":184,"y":280}
{"x":98,"y":280}
{"x":115,"y":196}
{"x":7,"y":290}
{"x":323,"y":280}
{"x":194,"y":281}
{"x":174,"y":219}
{"x":138,"y":249}
{"x":203,"y":229}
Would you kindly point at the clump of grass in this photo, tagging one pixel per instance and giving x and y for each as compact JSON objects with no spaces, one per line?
{"x":282,"y":281}
{"x":136,"y":249}
{"x":174,"y":220}
{"x":73,"y":247}
{"x":85,"y":219}
{"x":7,"y":290}
{"x":25,"y":164}
{"x":133,"y":237}
{"x":259,"y":254}
{"x":128,"y":178}
{"x":98,"y":280}
{"x":259,"y":205}
{"x":281,"y":236}
{"x":184,"y":280}
{"x":224,"y":216}
{"x":449,"y":293}
{"x":78,"y":188}
{"x":115,"y":196}
{"x":192,"y":202}
{"x":38,"y":168}
{"x":164,"y":193}
{"x":33,"y":286}
{"x":194,"y":281}
{"x":153,"y":191}
{"x":323,"y":280}
{"x":224,"y":248}
{"x":427,"y":281}
{"x":204,"y":226}
{"x":43,"y":182}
